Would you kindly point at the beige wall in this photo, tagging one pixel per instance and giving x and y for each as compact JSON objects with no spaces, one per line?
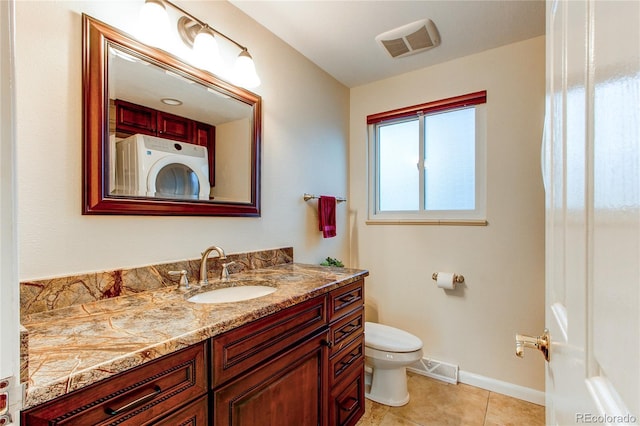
{"x":305,"y":135}
{"x":503,"y":263}
{"x":233,"y":171}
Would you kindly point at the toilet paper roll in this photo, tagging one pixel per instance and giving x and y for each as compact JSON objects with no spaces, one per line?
{"x":446,"y":280}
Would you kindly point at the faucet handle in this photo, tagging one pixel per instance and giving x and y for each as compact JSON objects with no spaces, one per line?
{"x":224,"y":274}
{"x":184,"y":282}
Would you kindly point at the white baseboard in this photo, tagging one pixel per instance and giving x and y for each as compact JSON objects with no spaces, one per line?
{"x":505,"y":388}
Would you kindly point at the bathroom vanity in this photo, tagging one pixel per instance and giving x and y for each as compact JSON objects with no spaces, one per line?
{"x":295,"y":356}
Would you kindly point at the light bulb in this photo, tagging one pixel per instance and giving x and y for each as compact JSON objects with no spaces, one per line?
{"x":245,"y":71}
{"x":205,"y":50}
{"x":154,"y":23}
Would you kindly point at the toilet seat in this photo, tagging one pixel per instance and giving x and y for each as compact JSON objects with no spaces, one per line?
{"x":390,"y":339}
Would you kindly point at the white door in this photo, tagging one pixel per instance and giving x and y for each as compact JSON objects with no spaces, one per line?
{"x":591,"y":163}
{"x":10,"y":394}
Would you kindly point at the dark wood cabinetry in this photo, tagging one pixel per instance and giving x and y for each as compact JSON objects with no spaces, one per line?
{"x":346,"y":357}
{"x":346,"y":299}
{"x":251,"y":345}
{"x":303,"y":365}
{"x":173,"y":127}
{"x":346,"y":399}
{"x":286,"y":390}
{"x":204,"y":134}
{"x":131,"y":118}
{"x":273,"y":370}
{"x":194,"y":414}
{"x":143,"y":395}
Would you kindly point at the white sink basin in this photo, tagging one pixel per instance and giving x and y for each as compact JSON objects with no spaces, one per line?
{"x":232,"y":294}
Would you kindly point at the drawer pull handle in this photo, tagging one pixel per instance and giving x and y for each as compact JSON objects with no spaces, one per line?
{"x":347,"y":298}
{"x":352,"y":357}
{"x":349,"y":329}
{"x":135,"y":403}
{"x":353,"y":403}
{"x":326,"y":343}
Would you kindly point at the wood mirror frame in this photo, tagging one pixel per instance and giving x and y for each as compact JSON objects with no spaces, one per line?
{"x":97,"y":38}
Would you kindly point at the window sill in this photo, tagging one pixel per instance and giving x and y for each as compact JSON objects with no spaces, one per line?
{"x":441,"y":222}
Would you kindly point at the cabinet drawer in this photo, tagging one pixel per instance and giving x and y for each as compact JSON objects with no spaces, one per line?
{"x":345,"y":330}
{"x":346,"y":403}
{"x":194,"y":414}
{"x":349,"y":359}
{"x":136,"y":397}
{"x":345,"y":299}
{"x":244,"y":348}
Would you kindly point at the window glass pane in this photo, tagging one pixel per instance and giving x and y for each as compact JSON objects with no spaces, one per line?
{"x":398,"y":153}
{"x":449,"y":179}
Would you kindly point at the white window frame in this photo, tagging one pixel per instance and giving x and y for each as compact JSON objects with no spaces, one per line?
{"x":476,"y":216}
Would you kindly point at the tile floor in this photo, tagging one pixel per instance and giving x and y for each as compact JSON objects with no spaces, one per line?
{"x":437,"y":403}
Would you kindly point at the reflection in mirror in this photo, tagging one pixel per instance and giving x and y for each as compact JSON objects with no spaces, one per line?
{"x":186,"y":112}
{"x":171,"y":139}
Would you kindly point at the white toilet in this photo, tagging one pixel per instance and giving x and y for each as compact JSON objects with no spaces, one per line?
{"x":388,"y":351}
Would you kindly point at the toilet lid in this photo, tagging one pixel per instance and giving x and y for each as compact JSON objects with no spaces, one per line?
{"x":390,"y":339}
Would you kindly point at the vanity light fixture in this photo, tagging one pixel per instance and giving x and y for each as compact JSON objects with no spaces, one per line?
{"x":154,"y":23}
{"x":205,"y":49}
{"x":202,"y":39}
{"x":245,"y":70}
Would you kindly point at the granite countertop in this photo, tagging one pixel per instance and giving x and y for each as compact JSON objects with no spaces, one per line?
{"x":73,"y":347}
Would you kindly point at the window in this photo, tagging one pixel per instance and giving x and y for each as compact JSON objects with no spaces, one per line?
{"x":427,"y":162}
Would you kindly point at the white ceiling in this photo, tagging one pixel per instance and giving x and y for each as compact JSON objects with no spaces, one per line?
{"x":339,"y":35}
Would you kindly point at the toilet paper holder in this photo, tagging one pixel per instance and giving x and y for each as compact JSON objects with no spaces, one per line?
{"x":457,"y":278}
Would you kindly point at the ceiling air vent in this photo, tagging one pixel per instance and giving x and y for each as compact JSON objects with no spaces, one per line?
{"x":409,"y":39}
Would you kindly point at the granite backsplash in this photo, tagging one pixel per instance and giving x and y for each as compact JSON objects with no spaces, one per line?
{"x":55,"y":293}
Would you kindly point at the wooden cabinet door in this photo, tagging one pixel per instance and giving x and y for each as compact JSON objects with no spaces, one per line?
{"x":173,"y":127}
{"x":284,"y":391}
{"x":204,"y":134}
{"x":132,"y":118}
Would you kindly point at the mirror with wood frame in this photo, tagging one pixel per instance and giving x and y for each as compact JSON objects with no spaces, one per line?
{"x":162,"y":137}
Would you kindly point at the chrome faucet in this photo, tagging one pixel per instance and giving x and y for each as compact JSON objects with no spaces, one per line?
{"x":203,"y":264}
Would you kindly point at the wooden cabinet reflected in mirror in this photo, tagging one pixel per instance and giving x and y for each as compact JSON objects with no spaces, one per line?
{"x":131,"y":119}
{"x":162,"y":137}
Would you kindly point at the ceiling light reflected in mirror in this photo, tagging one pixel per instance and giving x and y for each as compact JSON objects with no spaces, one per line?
{"x":171,"y":101}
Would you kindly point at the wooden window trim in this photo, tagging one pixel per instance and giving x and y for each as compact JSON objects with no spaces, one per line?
{"x":469,"y":99}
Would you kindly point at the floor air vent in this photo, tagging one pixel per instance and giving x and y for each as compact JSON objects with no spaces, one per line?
{"x":436,"y":369}
{"x":410,"y":39}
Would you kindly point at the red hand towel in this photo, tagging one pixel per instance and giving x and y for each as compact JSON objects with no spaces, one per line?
{"x":327,"y":215}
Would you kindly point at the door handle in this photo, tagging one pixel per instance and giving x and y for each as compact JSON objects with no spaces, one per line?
{"x":542,"y":343}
